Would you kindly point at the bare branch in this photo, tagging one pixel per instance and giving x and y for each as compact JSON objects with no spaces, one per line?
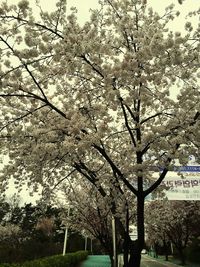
{"x":115,"y":169}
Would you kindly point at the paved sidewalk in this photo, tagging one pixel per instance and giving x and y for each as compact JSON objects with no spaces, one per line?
{"x":149,"y":261}
{"x":161,"y":262}
{"x":97,"y":261}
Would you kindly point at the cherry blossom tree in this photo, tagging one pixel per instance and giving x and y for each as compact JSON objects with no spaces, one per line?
{"x":156,"y":224}
{"x":87,"y":212}
{"x":94,"y":101}
{"x":90,"y":214}
{"x":174,"y":221}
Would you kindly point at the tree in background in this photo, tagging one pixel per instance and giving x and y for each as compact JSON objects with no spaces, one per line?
{"x":4,"y":208}
{"x":46,"y":226}
{"x":173,"y":221}
{"x":94,"y":101}
{"x":29,"y":231}
{"x":10,"y":234}
{"x":89,"y":213}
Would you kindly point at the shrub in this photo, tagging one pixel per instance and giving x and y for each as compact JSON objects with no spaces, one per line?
{"x":9,"y":265}
{"x":70,"y":259}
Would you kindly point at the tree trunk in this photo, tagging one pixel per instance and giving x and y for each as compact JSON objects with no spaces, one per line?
{"x":126,"y":239}
{"x":166,"y":250}
{"x":135,"y":254}
{"x":126,"y":250}
{"x":182,"y":255}
{"x":111,"y":260}
{"x":135,"y":247}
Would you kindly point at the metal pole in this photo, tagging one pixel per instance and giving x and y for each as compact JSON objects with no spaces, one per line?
{"x":85,"y":243}
{"x":114,"y":243}
{"x":172,"y":249}
{"x":91,"y":248}
{"x":66,"y":235}
{"x":65,"y":241}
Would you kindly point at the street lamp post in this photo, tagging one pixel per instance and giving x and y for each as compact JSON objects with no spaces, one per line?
{"x":114,"y":242}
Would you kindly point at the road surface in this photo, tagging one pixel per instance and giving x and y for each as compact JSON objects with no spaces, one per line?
{"x":151,"y":262}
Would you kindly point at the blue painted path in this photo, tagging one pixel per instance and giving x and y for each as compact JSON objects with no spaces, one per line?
{"x":97,"y":261}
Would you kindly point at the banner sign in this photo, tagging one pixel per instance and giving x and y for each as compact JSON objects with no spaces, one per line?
{"x":185,"y":187}
{"x":187,"y":169}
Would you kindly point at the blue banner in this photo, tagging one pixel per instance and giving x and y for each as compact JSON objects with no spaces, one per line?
{"x":187,"y":168}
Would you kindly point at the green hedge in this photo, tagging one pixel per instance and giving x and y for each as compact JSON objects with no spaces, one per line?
{"x":70,"y":259}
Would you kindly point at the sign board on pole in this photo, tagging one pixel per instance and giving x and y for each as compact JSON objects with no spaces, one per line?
{"x":133,"y":232}
{"x":185,"y":186}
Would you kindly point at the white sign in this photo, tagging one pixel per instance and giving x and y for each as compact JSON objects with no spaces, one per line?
{"x":133,"y":232}
{"x":185,"y":187}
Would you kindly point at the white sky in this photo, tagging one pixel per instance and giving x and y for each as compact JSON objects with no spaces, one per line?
{"x":84,"y":6}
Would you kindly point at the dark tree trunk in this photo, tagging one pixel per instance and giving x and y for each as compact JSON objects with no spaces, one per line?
{"x":166,"y":250}
{"x":126,"y":250}
{"x":126,"y":239}
{"x":140,"y":222}
{"x":182,"y":255}
{"x":135,"y":254}
{"x":135,"y":247}
{"x":111,"y":260}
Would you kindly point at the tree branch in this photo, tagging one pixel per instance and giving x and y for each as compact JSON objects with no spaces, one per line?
{"x":92,"y":65}
{"x":115,"y":168}
{"x":36,"y":24}
{"x":151,"y":117}
{"x":69,"y":174}
{"x":127,"y":124}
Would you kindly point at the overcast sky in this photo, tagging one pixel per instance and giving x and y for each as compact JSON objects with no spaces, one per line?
{"x":158,"y":5}
{"x":83,"y":7}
